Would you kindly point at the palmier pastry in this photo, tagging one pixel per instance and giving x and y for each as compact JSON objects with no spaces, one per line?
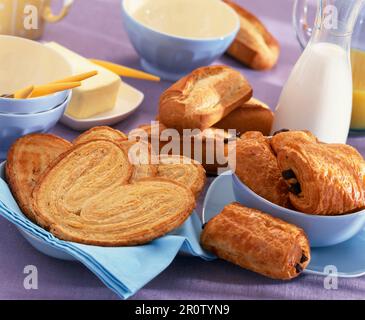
{"x":257,"y":167}
{"x":85,"y":197}
{"x":27,"y":159}
{"x":324,"y":179}
{"x":183,"y":170}
{"x":140,"y":158}
{"x":203,"y":98}
{"x":103,"y":133}
{"x":258,"y":242}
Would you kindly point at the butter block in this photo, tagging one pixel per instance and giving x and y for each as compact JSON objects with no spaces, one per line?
{"x":97,"y":94}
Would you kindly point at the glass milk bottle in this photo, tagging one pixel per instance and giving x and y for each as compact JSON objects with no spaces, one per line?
{"x":318,"y":94}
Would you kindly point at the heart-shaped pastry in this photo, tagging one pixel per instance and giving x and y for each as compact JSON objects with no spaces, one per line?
{"x":103,"y":133}
{"x":27,"y":159}
{"x":324,"y":179}
{"x":85,"y":197}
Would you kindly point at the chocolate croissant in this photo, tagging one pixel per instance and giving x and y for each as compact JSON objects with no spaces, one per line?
{"x":258,"y":242}
{"x":257,"y":167}
{"x":324,"y":179}
{"x":27,"y":159}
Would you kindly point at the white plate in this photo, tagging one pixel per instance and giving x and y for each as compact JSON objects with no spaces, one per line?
{"x":128,"y":101}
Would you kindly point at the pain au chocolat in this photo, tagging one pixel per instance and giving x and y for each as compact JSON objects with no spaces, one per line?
{"x":27,"y":159}
{"x":258,"y":242}
{"x":257,"y":168}
{"x":324,"y":179}
{"x":86,"y":197}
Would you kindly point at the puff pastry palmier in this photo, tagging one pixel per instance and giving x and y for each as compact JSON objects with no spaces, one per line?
{"x":142,"y":167}
{"x":257,"y":241}
{"x":27,"y":159}
{"x":257,"y":167}
{"x":184,"y":170}
{"x":85,"y":197}
{"x":103,"y":133}
{"x":324,"y":179}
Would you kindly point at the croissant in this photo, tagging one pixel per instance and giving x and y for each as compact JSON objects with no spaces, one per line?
{"x":257,"y":241}
{"x":257,"y":167}
{"x":183,"y":170}
{"x":324,"y":179}
{"x":85,"y":197}
{"x":27,"y":159}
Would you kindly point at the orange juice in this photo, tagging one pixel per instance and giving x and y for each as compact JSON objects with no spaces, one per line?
{"x":358,"y":105}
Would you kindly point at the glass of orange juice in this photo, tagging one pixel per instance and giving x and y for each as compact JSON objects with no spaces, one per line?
{"x":358,"y":74}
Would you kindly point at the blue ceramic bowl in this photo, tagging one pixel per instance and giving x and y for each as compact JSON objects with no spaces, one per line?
{"x":14,"y":126}
{"x":172,"y":57}
{"x":33,"y":105}
{"x":322,"y":231}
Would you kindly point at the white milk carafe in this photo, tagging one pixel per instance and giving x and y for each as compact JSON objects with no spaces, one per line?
{"x":318,"y":94}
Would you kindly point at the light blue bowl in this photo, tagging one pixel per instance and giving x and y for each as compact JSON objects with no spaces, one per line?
{"x":33,"y":105}
{"x":14,"y":126}
{"x":172,"y":57}
{"x":322,"y":231}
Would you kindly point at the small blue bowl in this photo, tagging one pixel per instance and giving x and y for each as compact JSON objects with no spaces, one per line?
{"x":14,"y":126}
{"x":33,"y":105}
{"x":172,"y":57}
{"x":322,"y":231}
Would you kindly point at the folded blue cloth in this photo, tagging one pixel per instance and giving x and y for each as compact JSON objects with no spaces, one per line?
{"x":123,"y":269}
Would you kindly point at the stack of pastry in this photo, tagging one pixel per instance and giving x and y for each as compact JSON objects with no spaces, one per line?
{"x":214,"y":97}
{"x":294,"y":170}
{"x":90,"y":192}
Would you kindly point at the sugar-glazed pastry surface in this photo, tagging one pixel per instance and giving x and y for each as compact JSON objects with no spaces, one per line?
{"x":324,"y":179}
{"x":139,"y":156}
{"x":257,"y":241}
{"x":27,"y":159}
{"x":257,"y":167}
{"x":203,"y":98}
{"x":183,"y":170}
{"x":103,"y":133}
{"x":85,"y":197}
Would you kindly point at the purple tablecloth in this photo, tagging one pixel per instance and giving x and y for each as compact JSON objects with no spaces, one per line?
{"x":94,"y":28}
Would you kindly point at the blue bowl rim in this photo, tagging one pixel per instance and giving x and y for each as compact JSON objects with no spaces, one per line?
{"x":232,"y":33}
{"x":236,"y":180}
{"x":11,"y":100}
{"x":61,"y":105}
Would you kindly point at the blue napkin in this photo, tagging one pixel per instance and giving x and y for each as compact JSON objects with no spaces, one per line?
{"x":124,"y":270}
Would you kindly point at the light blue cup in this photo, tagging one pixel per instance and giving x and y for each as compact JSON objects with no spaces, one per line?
{"x":322,"y":231}
{"x":172,"y":57}
{"x":33,"y":105}
{"x":14,"y":126}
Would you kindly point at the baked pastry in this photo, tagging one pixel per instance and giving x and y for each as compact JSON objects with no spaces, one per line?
{"x":92,"y":202}
{"x":324,"y":179}
{"x":254,"y":45}
{"x":210,"y":141}
{"x":258,"y":242}
{"x":27,"y":159}
{"x":140,"y":158}
{"x":183,"y":170}
{"x":103,"y":133}
{"x":253,"y":115}
{"x":203,"y":98}
{"x":257,"y":167}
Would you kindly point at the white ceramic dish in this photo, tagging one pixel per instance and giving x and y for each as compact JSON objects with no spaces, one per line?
{"x":129,"y":99}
